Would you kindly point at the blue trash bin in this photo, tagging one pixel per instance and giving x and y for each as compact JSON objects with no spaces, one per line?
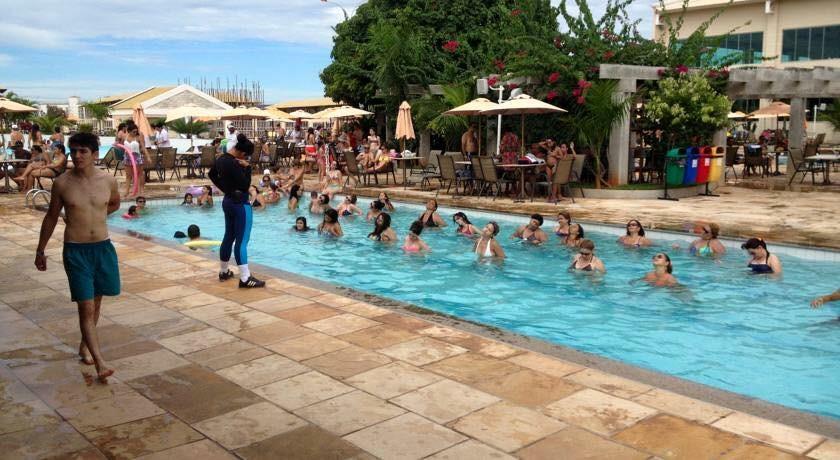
{"x":692,"y":164}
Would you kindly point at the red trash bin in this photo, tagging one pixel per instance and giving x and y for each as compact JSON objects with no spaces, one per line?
{"x":705,"y":165}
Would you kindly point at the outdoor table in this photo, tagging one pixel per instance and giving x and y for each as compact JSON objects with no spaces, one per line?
{"x":5,"y":164}
{"x":776,"y":154}
{"x":405,"y":162}
{"x":189,"y":159}
{"x":520,"y":198}
{"x":825,"y":160}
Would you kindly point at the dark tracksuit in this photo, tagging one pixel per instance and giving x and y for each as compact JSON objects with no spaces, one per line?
{"x":233,"y":180}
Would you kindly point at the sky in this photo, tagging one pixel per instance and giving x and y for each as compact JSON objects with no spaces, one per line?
{"x":95,"y":48}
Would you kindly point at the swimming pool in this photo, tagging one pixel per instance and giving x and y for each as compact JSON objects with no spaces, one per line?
{"x":748,"y":334}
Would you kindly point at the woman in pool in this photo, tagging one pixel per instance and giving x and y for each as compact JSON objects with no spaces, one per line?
{"x":266,"y":180}
{"x":562,"y":227}
{"x":576,"y":235}
{"x":206,"y":198}
{"x":330,"y":225}
{"x":662,"y":269}
{"x":586,"y":260}
{"x":383,"y":231}
{"x":320,"y":205}
{"x":272,"y":195}
{"x":635,"y":237}
{"x":761,"y":262}
{"x":188,"y":200}
{"x":294,"y":197}
{"x":531,"y":233}
{"x":430,"y":217}
{"x":300,"y":225}
{"x":132,"y":213}
{"x":487,"y":246}
{"x":384,"y":198}
{"x":332,"y":182}
{"x":295,"y":175}
{"x":413,"y":243}
{"x":708,"y":243}
{"x":348,"y":207}
{"x":376,"y":208}
{"x":465,"y":227}
{"x":256,"y":198}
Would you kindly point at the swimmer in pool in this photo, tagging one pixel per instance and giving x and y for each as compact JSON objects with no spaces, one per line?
{"x":562,"y":227}
{"x":487,"y":246}
{"x":300,"y":225}
{"x":430,"y":217}
{"x":531,"y":233}
{"x":383,"y":231}
{"x":330,"y":225}
{"x":206,"y":198}
{"x":822,"y":300}
{"x":465,"y":227}
{"x":635,"y":237}
{"x":376,"y":208}
{"x":256,"y":198}
{"x":294,"y":197}
{"x":348,"y":207}
{"x":575,"y":236}
{"x":413,"y":243}
{"x":662,"y":271}
{"x":383,"y":197}
{"x":272,"y":195}
{"x":188,"y":200}
{"x":586,"y":260}
{"x":761,"y":262}
{"x":708,"y":243}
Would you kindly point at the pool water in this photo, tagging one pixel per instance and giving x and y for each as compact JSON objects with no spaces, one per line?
{"x":753,"y":335}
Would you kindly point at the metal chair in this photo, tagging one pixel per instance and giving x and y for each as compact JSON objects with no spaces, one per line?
{"x":169,"y":161}
{"x":353,"y":169}
{"x":477,"y":173}
{"x":447,"y":174}
{"x":730,"y":161}
{"x":800,"y":165}
{"x":207,"y":159}
{"x":491,"y":176}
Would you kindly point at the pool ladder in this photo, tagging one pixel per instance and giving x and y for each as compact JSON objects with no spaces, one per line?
{"x":32,"y":197}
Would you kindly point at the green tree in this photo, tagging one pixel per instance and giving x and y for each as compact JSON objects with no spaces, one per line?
{"x":189,"y":128}
{"x":832,"y":114}
{"x":428,"y":113}
{"x":48,"y":123}
{"x":97,"y":111}
{"x":688,"y":109}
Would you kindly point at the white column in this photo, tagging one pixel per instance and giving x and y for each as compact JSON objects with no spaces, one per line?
{"x":618,"y":153}
{"x":797,"y":137}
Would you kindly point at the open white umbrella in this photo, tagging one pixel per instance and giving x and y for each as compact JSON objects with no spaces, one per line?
{"x":346,"y":112}
{"x":522,"y":105}
{"x":10,"y":106}
{"x":474,"y":108}
{"x":245,"y":113}
{"x":405,"y":128}
{"x":736,"y":115}
{"x":300,"y":114}
{"x":192,"y":111}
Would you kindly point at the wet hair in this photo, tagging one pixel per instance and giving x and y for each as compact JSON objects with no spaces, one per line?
{"x":60,"y":148}
{"x":88,"y":140}
{"x":179,"y":234}
{"x":416,"y":227}
{"x":670,"y":267}
{"x":537,"y":217}
{"x":435,"y":202}
{"x":301,"y":219}
{"x":35,"y":129}
{"x":244,"y":145}
{"x":353,"y":198}
{"x":209,"y":189}
{"x":136,"y":200}
{"x":495,"y":227}
{"x":715,"y":229}
{"x":387,"y":198}
{"x":463,"y":217}
{"x":378,"y":229}
{"x":132,"y":210}
{"x":193,"y":231}
{"x":185,"y":197}
{"x":641,"y":229}
{"x":324,"y":199}
{"x":57,"y":129}
{"x":332,"y":214}
{"x":587,"y":244}
{"x":294,"y":192}
{"x":313,"y":194}
{"x":755,"y":243}
{"x":580,"y":230}
{"x":378,"y":205}
{"x":566,"y":215}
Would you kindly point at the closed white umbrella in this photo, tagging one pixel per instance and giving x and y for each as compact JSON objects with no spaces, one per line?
{"x":405,"y":128}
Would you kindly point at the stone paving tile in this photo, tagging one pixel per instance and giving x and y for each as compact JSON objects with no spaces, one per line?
{"x":403,"y":321}
{"x":61,"y":383}
{"x":303,"y":291}
{"x":608,"y":383}
{"x":541,"y":363}
{"x":37,"y":355}
{"x":470,"y":368}
{"x":378,"y":337}
{"x":405,"y":437}
{"x":227,"y":354}
{"x":528,"y":388}
{"x":116,"y":342}
{"x":58,"y":441}
{"x":757,"y":451}
{"x":598,"y":412}
{"x":115,"y":410}
{"x":204,"y":450}
{"x":267,"y":302}
{"x":333,"y":300}
{"x":64,"y":326}
{"x":422,"y":351}
{"x":470,"y":450}
{"x":169,"y":293}
{"x":307,"y":313}
{"x":347,"y":362}
{"x":445,"y":401}
{"x":682,"y":406}
{"x":24,"y":334}
{"x":241,"y":321}
{"x":145,"y":436}
{"x":341,"y":324}
{"x":775,"y":434}
{"x":18,"y":294}
{"x":349,"y":412}
{"x":262,"y":371}
{"x":302,"y":390}
{"x":147,"y":316}
{"x":830,"y":449}
{"x":306,"y":443}
{"x":195,"y":341}
{"x":170,"y":328}
{"x":365,"y":309}
{"x":248,"y":425}
{"x":26,"y":415}
{"x":578,"y":444}
{"x":193,"y":301}
{"x":147,"y":364}
{"x":673,"y":437}
{"x":272,"y":333}
{"x":192,"y":393}
{"x":308,"y":346}
{"x":276,"y":283}
{"x":12,"y":390}
{"x":392,"y":380}
{"x":507,"y":426}
{"x":215,"y":310}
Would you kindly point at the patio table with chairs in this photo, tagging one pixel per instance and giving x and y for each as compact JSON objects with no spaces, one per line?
{"x":405,"y":162}
{"x":824,"y":160}
{"x":188,"y":159}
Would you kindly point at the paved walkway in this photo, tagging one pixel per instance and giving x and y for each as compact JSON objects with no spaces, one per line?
{"x":205,"y":370}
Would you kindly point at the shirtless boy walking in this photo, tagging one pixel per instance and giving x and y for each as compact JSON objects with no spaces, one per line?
{"x":87,"y":196}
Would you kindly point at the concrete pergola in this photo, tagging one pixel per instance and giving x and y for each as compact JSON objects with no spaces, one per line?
{"x":744,"y":83}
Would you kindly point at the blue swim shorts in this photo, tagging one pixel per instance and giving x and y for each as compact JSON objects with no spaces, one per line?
{"x":92,"y":270}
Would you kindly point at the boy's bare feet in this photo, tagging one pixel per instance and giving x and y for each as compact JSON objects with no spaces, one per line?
{"x":84,"y":355}
{"x":102,"y":375}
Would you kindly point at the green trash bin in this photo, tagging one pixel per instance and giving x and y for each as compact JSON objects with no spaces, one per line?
{"x":675,"y":166}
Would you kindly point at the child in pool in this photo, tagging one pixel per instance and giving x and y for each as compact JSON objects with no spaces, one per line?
{"x":413,"y":243}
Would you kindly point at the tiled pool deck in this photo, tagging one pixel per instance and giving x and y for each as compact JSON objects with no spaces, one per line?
{"x":205,"y":370}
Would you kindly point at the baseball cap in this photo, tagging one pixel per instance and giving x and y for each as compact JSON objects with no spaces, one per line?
{"x":15,"y":127}
{"x":266,"y":172}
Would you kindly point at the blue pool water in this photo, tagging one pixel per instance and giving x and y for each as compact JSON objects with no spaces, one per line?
{"x":752,"y":335}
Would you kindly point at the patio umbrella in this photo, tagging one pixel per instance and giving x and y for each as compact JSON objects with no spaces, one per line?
{"x":405,"y":128}
{"x":10,"y":106}
{"x":245,"y":113}
{"x":192,"y":111}
{"x":324,"y":114}
{"x":139,"y":117}
{"x":301,"y":114}
{"x":276,"y":114}
{"x":738,"y":114}
{"x":522,"y":105}
{"x":474,"y":108}
{"x":775,"y":109}
{"x":346,"y":112}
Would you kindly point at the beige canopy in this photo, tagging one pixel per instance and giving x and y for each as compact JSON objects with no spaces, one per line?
{"x":474,"y":107}
{"x":522,"y":105}
{"x":735,"y":115}
{"x":301,"y":114}
{"x":245,"y":113}
{"x":345,"y":112}
{"x":8,"y":105}
{"x":775,"y":109}
{"x":192,"y":111}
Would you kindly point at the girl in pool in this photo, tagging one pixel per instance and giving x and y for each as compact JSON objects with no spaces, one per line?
{"x":314,"y":203}
{"x":487,"y":246}
{"x":330,"y":225}
{"x":465,"y":227}
{"x":295,"y":175}
{"x":708,"y":243}
{"x":321,"y":205}
{"x":188,"y":200}
{"x":662,"y":269}
{"x":272,"y":195}
{"x":294,"y":197}
{"x":586,"y":260}
{"x":562,"y":227}
{"x":575,"y":236}
{"x":266,"y":180}
{"x":132,"y":213}
{"x":383,"y":197}
{"x":376,"y":208}
{"x":206,"y":198}
{"x":430,"y":217}
{"x":256,"y":198}
{"x":300,"y":225}
{"x":332,"y":182}
{"x":348,"y":207}
{"x":413,"y":243}
{"x":383,"y":231}
{"x":635,"y":237}
{"x":761,"y":262}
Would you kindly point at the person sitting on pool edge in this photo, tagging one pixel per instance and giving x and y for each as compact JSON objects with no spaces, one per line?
{"x":635,"y":237}
{"x":413,"y":243}
{"x":376,"y":208}
{"x":662,"y":271}
{"x":300,"y":225}
{"x":382,"y":230}
{"x":487,"y":246}
{"x":330,"y":225}
{"x":465,"y":227}
{"x":762,"y":262}
{"x":531,"y":233}
{"x":430,"y":217}
{"x":708,"y":243}
{"x":586,"y":260}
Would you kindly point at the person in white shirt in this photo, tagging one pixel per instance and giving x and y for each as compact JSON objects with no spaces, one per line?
{"x":162,"y":136}
{"x":296,"y":135}
{"x":232,"y":133}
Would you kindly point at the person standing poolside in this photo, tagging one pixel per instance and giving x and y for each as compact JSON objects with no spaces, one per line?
{"x":531,"y":233}
{"x":161,"y":136}
{"x":87,"y":196}
{"x":469,"y":142}
{"x":232,"y":175}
